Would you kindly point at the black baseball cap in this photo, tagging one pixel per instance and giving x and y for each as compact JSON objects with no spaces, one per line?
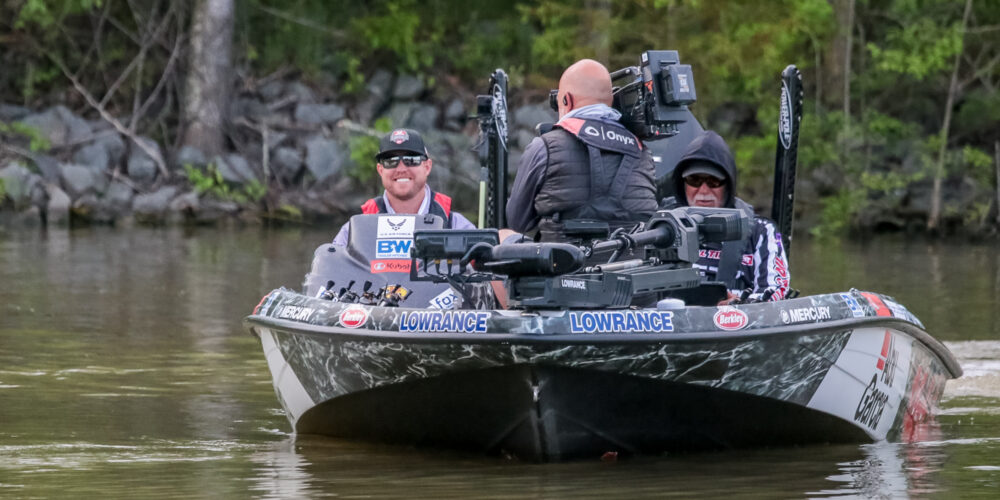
{"x":401,"y":140}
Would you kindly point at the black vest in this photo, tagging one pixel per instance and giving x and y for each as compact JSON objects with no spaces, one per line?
{"x":596,"y":171}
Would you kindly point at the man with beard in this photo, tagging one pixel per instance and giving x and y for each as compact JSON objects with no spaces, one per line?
{"x":706,"y":177}
{"x":403,"y":163}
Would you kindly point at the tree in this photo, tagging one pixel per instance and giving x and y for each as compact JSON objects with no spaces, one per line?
{"x":208,"y":80}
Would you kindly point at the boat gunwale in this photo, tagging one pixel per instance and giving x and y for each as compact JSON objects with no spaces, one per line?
{"x":290,"y":326}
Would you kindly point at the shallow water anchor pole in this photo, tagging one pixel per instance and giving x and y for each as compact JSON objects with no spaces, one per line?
{"x":491,"y":110}
{"x":786,"y":156}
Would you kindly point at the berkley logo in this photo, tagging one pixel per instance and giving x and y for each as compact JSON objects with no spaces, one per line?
{"x":730,"y":319}
{"x":353,"y":317}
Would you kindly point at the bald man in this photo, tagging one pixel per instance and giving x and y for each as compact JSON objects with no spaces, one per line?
{"x":588,"y":167}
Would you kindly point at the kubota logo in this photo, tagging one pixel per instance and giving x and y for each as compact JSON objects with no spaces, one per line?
{"x":729,"y":318}
{"x":353,"y":317}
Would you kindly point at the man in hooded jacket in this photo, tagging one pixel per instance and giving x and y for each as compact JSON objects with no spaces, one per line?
{"x":706,"y":177}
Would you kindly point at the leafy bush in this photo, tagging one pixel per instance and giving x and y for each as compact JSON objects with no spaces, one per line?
{"x":211,"y":182}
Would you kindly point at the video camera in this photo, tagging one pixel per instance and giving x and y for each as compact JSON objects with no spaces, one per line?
{"x":654,"y":103}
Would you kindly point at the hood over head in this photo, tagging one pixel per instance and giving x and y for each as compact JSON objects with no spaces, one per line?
{"x":708,"y":147}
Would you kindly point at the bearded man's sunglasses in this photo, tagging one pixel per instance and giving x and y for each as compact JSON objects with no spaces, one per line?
{"x":697,"y":180}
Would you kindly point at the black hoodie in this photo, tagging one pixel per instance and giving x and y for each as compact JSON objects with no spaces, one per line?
{"x":710,"y":147}
{"x":763,"y":264}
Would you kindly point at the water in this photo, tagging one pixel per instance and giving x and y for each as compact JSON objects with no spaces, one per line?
{"x":125,"y":373}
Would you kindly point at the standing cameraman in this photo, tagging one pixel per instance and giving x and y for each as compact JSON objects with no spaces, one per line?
{"x":588,"y":166}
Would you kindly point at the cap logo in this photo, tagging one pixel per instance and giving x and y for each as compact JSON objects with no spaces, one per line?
{"x":399,"y":136}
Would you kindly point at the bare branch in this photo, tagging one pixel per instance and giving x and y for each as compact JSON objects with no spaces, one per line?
{"x":167,"y":72}
{"x":302,"y":22}
{"x":105,"y":115}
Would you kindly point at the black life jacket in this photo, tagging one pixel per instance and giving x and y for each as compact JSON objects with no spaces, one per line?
{"x":596,"y":171}
{"x":440,"y":206}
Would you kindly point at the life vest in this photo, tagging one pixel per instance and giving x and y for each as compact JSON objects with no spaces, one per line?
{"x":596,"y":171}
{"x":440,"y":206}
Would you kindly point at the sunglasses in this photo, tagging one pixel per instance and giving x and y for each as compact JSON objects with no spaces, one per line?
{"x":409,"y":161}
{"x":697,"y":180}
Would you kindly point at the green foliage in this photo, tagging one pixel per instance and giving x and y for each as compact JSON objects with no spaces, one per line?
{"x":37,"y":142}
{"x":3,"y":190}
{"x":211,"y":182}
{"x":46,"y":13}
{"x":363,"y":148}
{"x":836,"y":215}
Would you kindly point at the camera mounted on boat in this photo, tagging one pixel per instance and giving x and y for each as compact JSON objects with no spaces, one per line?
{"x":552,"y":275}
{"x":654,"y":99}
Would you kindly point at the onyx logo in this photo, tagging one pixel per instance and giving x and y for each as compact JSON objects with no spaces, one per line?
{"x":589,"y":130}
{"x":611,"y":135}
{"x":872,"y":404}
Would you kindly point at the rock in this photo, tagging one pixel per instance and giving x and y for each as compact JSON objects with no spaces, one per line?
{"x":455,"y":110}
{"x":455,"y":115}
{"x":271,"y":90}
{"x":93,"y":155}
{"x":57,"y":208}
{"x":301,"y":92}
{"x":399,"y":114}
{"x":408,"y":87}
{"x":324,"y":157}
{"x":189,"y":155}
{"x":77,"y":180}
{"x":12,"y":112}
{"x":286,"y":163}
{"x":118,"y":196}
{"x":234,"y":168}
{"x":142,"y":167}
{"x":48,"y":166}
{"x":318,"y":114}
{"x":59,"y":125}
{"x":530,"y":115}
{"x":211,"y":210}
{"x":152,"y":207}
{"x":102,"y":155}
{"x":379,"y":83}
{"x":275,"y":138}
{"x":249,"y":107}
{"x":377,"y":95}
{"x":423,"y":117}
{"x":19,"y":184}
{"x":86,"y":207}
{"x":186,"y":203}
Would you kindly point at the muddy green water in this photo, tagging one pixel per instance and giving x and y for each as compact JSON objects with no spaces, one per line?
{"x":125,"y":373}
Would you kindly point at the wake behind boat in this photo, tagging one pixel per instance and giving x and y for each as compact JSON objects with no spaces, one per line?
{"x":562,"y":376}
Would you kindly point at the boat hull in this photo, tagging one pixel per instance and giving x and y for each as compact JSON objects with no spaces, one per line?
{"x":529,"y":386}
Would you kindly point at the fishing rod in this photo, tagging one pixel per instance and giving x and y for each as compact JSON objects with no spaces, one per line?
{"x":786,"y":156}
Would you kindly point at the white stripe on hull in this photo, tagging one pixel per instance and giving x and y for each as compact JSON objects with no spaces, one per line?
{"x":291,"y":393}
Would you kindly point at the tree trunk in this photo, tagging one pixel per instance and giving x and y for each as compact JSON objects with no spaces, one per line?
{"x":848,"y":45}
{"x":208,"y":79}
{"x":996,"y":165}
{"x":934,"y":220}
{"x":838,"y":51}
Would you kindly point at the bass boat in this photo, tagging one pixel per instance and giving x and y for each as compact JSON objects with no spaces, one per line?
{"x":631,"y":357}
